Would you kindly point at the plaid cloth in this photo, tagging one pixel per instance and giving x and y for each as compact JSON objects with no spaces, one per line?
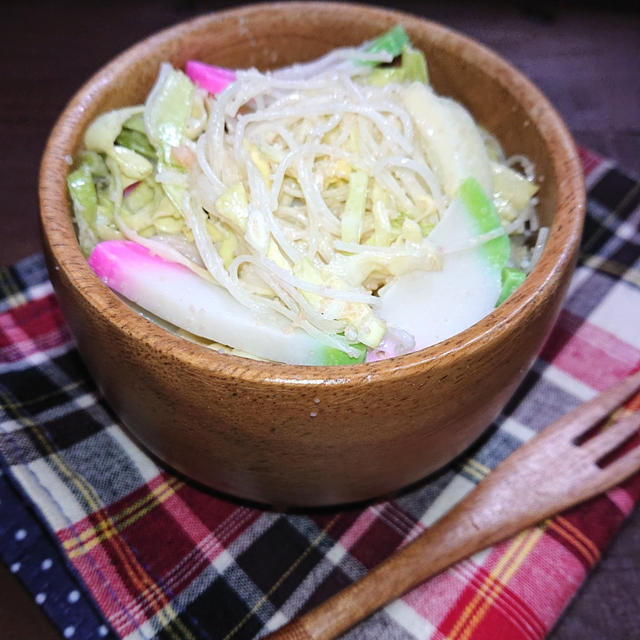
{"x":152,"y":556}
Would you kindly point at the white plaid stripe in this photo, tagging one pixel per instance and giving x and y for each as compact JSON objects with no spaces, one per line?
{"x":619,"y":313}
{"x":50,"y":494}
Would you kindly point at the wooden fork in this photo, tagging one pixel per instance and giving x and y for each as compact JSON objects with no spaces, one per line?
{"x":553,"y":471}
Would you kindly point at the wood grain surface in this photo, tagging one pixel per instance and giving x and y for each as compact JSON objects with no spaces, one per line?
{"x":585,"y":60}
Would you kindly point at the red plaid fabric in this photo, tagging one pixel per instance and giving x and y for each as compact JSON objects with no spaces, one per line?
{"x":162,"y":558}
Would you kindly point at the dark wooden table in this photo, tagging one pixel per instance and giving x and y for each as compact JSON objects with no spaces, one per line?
{"x":587,"y":61}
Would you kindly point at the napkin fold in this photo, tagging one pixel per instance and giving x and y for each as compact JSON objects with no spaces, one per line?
{"x":110,"y":544}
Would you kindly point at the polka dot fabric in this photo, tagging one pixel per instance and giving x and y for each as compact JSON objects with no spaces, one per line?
{"x":29,"y":552}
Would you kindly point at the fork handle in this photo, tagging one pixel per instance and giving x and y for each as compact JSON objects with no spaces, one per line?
{"x":538,"y":480}
{"x":450,"y":539}
{"x":486,"y":516}
{"x":470,"y":526}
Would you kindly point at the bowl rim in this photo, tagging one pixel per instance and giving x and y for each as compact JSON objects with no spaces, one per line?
{"x":536,"y":289}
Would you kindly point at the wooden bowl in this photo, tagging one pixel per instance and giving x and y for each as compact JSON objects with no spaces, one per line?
{"x":295,"y":435}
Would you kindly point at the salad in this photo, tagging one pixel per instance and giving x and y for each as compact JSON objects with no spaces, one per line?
{"x":331,"y":212}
